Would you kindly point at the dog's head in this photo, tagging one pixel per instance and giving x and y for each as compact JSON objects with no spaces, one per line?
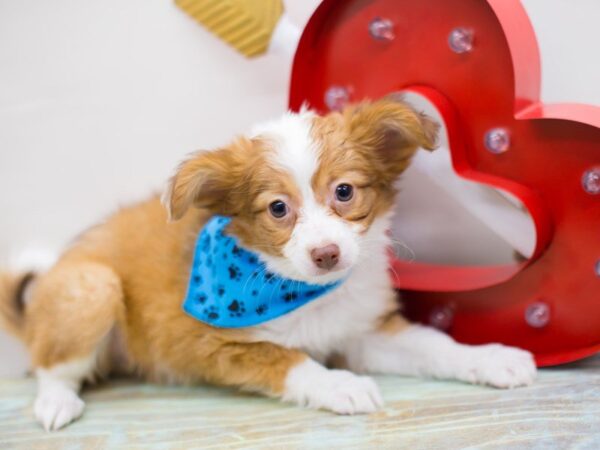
{"x":304,"y":190}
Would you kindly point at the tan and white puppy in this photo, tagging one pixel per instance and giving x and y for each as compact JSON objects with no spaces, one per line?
{"x":312,"y":196}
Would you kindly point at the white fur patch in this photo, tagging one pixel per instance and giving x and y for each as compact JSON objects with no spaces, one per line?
{"x":57,"y":402}
{"x":312,"y":385}
{"x":32,"y":259}
{"x":295,"y":150}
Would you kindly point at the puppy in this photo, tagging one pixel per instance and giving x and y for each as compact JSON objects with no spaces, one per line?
{"x":309,"y":198}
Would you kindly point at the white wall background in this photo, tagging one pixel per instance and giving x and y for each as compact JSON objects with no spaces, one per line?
{"x":99,"y":100}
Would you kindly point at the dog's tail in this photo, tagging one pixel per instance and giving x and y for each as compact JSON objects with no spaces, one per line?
{"x":15,"y":285}
{"x":12,"y":300}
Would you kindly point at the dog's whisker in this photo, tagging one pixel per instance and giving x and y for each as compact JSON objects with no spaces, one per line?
{"x":395,"y":243}
{"x":261,"y":275}
{"x":279,"y":284}
{"x":252,"y":276}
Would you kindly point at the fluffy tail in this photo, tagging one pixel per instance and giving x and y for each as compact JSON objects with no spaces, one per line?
{"x":15,"y":283}
{"x":12,"y":301}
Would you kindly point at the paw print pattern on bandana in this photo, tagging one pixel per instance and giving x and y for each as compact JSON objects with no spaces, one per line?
{"x":289,"y":297}
{"x":234,"y":272}
{"x":211,"y":313}
{"x":230,"y":287}
{"x":236,"y":308}
{"x":270,"y":277}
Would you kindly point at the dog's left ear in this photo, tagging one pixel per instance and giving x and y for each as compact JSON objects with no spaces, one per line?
{"x":391,"y":130}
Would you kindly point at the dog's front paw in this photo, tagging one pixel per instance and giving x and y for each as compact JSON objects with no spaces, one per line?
{"x":346,"y":393}
{"x":500,"y":366}
{"x":340,"y":391}
{"x":55,"y":408}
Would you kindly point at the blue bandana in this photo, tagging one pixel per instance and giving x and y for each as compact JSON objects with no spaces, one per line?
{"x":230,"y":287}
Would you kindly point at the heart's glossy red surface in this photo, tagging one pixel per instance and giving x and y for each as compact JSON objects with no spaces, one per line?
{"x":496,"y":84}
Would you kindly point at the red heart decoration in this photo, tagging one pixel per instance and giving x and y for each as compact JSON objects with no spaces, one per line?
{"x":551,"y":303}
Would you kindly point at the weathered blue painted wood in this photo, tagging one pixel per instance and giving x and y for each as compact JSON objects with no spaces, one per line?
{"x":561,"y":410}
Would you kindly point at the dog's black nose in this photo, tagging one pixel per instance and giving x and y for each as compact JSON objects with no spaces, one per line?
{"x":326,"y":257}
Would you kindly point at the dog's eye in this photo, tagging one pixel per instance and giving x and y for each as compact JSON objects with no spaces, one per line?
{"x":278,"y":209}
{"x":344,"y":192}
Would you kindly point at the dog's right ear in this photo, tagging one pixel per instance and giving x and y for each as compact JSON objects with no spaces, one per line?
{"x":206,"y":180}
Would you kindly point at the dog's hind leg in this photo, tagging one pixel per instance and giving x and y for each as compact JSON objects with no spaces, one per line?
{"x":68,"y":319}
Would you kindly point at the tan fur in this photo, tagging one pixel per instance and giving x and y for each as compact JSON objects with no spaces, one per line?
{"x":393,"y":323}
{"x":75,"y":292}
{"x":130,"y":273}
{"x":256,"y":227}
{"x":199,"y":181}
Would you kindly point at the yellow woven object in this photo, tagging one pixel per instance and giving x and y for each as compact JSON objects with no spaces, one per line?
{"x":246,"y":25}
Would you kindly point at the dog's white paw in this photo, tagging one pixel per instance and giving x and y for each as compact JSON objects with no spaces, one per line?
{"x":55,"y":408}
{"x":500,"y":366}
{"x":346,"y":393}
{"x":340,"y":391}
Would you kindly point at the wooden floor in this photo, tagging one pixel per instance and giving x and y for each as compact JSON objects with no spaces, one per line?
{"x":562,"y":410}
